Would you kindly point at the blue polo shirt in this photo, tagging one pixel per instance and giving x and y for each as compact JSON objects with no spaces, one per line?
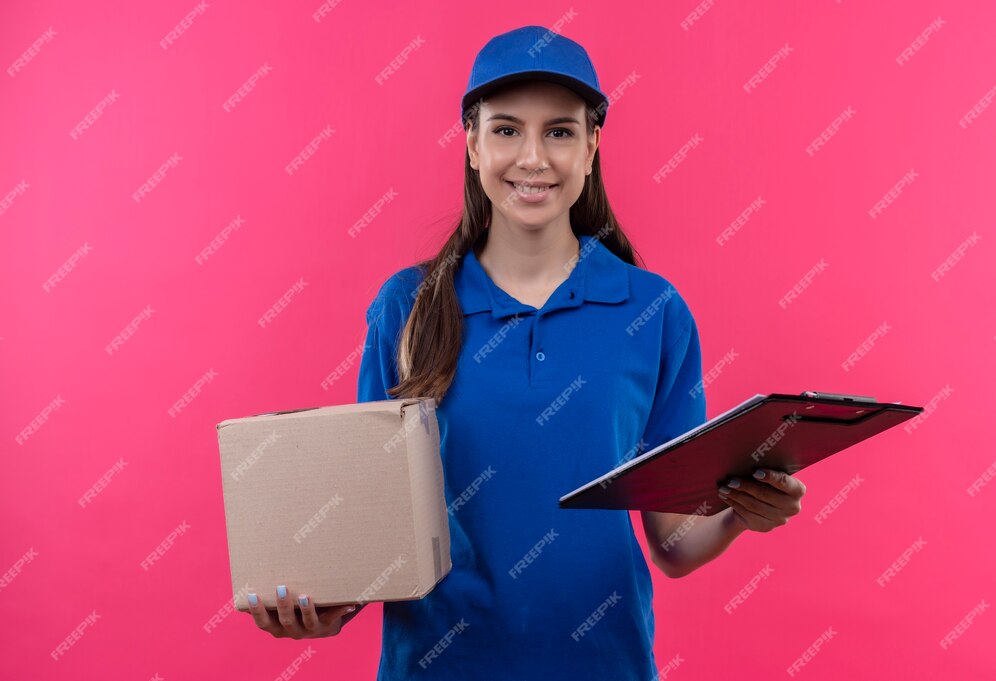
{"x":544,"y":400}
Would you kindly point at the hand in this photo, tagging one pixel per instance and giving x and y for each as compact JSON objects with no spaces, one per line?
{"x":762,"y":504}
{"x":313,"y":623}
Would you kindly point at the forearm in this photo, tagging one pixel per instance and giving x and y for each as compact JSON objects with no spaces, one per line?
{"x":681,"y":547}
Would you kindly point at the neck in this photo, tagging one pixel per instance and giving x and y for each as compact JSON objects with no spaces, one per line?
{"x":529,"y":257}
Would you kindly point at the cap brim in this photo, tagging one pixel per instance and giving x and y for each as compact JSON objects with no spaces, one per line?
{"x":592,"y":96}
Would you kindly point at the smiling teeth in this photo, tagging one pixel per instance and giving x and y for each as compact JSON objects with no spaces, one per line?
{"x":530,"y":190}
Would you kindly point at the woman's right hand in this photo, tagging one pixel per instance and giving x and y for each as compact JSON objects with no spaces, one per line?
{"x":311,"y":623}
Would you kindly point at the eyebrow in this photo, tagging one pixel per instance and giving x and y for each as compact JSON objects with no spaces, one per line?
{"x":552,"y":121}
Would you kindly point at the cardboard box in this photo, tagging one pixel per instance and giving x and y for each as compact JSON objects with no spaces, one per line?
{"x":344,"y":503}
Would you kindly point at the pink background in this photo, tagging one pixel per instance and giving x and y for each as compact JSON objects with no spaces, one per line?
{"x":142,"y":255}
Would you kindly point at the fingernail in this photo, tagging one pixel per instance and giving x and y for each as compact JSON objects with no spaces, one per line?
{"x":303,"y":600}
{"x":734,"y":483}
{"x":723,"y":489}
{"x":351,"y":608}
{"x":759,"y":474}
{"x":281,"y":591}
{"x":253,"y":600}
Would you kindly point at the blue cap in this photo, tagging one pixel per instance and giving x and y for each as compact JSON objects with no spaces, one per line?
{"x":534,"y":53}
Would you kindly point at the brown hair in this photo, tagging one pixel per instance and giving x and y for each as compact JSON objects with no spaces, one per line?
{"x":429,"y":345}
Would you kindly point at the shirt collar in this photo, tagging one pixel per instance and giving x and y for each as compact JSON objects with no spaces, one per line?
{"x":599,"y":276}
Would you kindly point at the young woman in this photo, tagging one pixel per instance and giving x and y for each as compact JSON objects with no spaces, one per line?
{"x":552,"y":357}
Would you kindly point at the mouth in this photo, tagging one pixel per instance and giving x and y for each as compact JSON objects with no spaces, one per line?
{"x":531,"y":190}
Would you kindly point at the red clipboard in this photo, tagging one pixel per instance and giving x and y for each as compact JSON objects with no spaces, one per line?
{"x":777,"y":431}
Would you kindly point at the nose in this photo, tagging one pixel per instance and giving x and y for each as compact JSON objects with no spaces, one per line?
{"x":532,"y":153}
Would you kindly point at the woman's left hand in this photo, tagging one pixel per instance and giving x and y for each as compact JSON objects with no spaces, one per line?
{"x":762,"y":504}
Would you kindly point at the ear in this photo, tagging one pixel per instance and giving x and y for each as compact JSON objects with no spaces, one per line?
{"x":593,"y":141}
{"x":472,"y":138}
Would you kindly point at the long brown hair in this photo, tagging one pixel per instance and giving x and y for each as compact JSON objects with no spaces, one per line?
{"x":430,"y":342}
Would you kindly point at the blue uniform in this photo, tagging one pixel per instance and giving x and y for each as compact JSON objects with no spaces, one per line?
{"x":543,"y":401}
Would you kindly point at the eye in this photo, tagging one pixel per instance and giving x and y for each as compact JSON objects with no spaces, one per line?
{"x":567,"y":133}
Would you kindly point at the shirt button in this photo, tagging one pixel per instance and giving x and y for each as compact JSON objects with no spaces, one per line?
{"x":540,"y":356}
{"x":572,"y":295}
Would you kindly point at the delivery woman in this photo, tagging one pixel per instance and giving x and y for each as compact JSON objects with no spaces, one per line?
{"x":553,"y":357}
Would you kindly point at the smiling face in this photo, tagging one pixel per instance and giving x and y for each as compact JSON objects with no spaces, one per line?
{"x":533,"y":152}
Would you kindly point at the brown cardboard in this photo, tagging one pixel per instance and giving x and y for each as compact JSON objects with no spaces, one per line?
{"x":344,"y":503}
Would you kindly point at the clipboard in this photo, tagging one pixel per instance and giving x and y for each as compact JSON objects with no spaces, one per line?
{"x":777,"y":431}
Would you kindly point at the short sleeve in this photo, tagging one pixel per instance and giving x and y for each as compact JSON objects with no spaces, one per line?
{"x":679,"y":399}
{"x":386,"y":316}
{"x":378,"y":365}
